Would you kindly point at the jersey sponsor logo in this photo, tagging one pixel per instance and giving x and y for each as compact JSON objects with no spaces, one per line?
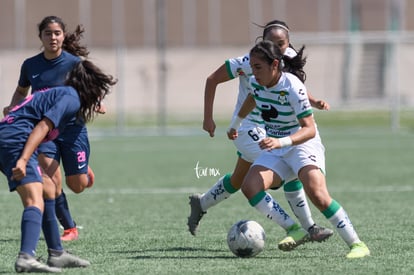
{"x":269,"y":112}
{"x":276,"y":132}
{"x":80,"y":166}
{"x":35,"y":75}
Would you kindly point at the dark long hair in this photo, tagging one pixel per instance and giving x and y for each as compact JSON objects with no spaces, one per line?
{"x":295,"y":64}
{"x":268,"y":51}
{"x":92,"y":86}
{"x":71,"y":43}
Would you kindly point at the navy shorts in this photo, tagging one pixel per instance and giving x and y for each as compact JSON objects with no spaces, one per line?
{"x":8,"y":159}
{"x":74,"y":149}
{"x":49,"y":149}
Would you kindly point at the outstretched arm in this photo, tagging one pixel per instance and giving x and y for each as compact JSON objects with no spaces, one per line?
{"x":219,"y":76}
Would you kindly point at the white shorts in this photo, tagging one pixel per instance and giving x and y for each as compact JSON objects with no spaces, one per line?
{"x":287,"y":162}
{"x":249,"y":135}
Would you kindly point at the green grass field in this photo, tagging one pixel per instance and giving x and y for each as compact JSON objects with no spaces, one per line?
{"x":133,"y":220}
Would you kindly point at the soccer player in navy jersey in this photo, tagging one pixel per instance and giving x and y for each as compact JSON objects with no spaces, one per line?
{"x":47,"y":115}
{"x":49,"y":68}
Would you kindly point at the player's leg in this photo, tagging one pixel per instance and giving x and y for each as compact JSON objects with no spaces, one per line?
{"x":260,"y":178}
{"x":315,"y":186}
{"x":225,"y":186}
{"x":58,"y":257}
{"x":30,"y":190}
{"x":248,"y":151}
{"x":49,"y":223}
{"x":52,"y":168}
{"x":296,"y":197}
{"x":75,"y":151}
{"x":32,"y":199}
{"x":221,"y":190}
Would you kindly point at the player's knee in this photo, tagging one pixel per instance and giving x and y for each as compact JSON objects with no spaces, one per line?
{"x":77,"y":185}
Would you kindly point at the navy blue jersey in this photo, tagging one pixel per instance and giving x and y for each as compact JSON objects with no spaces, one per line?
{"x":59,"y":104}
{"x":41,"y":73}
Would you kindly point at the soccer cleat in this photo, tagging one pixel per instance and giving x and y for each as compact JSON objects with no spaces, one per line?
{"x":28,"y":263}
{"x":319,"y":234}
{"x":296,"y":236}
{"x":70,"y":234}
{"x":91,"y":178}
{"x":358,"y":250}
{"x":196,"y":213}
{"x":62,"y":258}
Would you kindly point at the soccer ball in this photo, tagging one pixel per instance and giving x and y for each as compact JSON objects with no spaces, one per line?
{"x":246,"y":238}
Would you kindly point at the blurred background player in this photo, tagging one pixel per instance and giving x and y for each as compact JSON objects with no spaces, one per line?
{"x":41,"y":117}
{"x":251,"y":132}
{"x":297,"y":151}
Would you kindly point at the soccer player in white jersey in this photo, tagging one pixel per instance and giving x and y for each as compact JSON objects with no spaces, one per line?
{"x":251,"y":132}
{"x":292,"y":147}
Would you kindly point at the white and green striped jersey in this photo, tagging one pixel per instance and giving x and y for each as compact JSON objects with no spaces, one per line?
{"x":282,"y":105}
{"x":240,"y":67}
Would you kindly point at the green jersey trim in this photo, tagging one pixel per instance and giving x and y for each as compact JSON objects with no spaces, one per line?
{"x":228,"y":68}
{"x":257,"y":86}
{"x":305,"y":114}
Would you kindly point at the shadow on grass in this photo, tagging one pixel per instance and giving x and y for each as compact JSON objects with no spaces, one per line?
{"x":211,"y":255}
{"x":9,"y":240}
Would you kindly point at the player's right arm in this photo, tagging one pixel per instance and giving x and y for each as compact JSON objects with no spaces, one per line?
{"x":219,"y":76}
{"x":35,"y":138}
{"x":19,"y":94}
{"x":248,"y":105}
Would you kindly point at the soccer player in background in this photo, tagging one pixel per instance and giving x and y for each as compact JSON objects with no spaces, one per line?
{"x":251,"y":132}
{"x":61,"y":51}
{"x":294,"y":152}
{"x":43,"y":116}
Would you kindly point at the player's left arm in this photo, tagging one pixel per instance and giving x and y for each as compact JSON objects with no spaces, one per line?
{"x":318,"y":103}
{"x":306,"y":132}
{"x":35,"y":138}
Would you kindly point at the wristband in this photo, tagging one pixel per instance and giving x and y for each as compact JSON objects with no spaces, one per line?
{"x":235,"y":123}
{"x":285,"y":142}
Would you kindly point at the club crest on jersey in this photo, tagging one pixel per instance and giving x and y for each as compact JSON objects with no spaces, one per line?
{"x":282,"y":98}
